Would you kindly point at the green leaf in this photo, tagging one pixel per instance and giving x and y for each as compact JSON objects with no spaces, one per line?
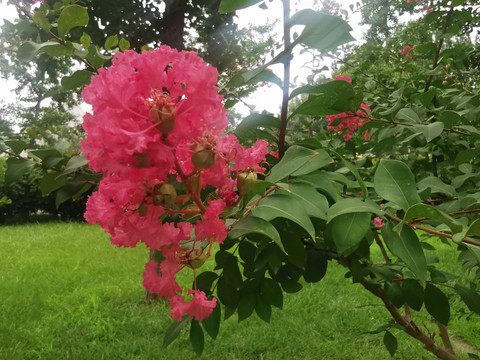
{"x":295,"y":249}
{"x":227,"y":294}
{"x":395,"y":182}
{"x":111,"y":42}
{"x":408,"y":115}
{"x":472,"y":230}
{"x":16,"y":168}
{"x":246,"y":305}
{"x":424,"y":210}
{"x":430,"y":131}
{"x":315,"y":266}
{"x":75,"y":163}
{"x":322,"y":31}
{"x":407,"y":248}
{"x":348,"y":230}
{"x":16,"y":145}
{"x":85,"y":40}
{"x":72,"y":16}
{"x":470,"y":297}
{"x":174,"y":330}
{"x":77,"y":80}
{"x":124,"y":44}
{"x":353,"y":205}
{"x":316,"y":204}
{"x":390,"y":342}
{"x":41,"y":20}
{"x":272,"y":293}
{"x":413,"y":293}
{"x":95,"y":58}
{"x":262,"y":76}
{"x":52,"y":181}
{"x":255,"y":225}
{"x":353,"y":169}
{"x":331,"y":98}
{"x":197,"y":339}
{"x":284,"y":206}
{"x":394,"y":293}
{"x":437,"y":304}
{"x":255,"y":121}
{"x":263,"y":309}
{"x":29,"y":49}
{"x":227,"y":6}
{"x":436,"y":186}
{"x":299,"y":161}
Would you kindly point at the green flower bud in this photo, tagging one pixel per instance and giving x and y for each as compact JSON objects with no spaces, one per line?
{"x":196,"y":259}
{"x":246,"y":180}
{"x":164,"y":194}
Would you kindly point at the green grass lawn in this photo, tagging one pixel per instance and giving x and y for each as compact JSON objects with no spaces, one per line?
{"x":66,"y":293}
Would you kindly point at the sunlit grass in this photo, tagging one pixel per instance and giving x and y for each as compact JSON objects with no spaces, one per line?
{"x":66,"y":293}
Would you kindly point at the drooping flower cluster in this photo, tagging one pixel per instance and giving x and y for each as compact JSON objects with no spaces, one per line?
{"x":157,"y":121}
{"x":351,"y":121}
{"x":407,"y":51}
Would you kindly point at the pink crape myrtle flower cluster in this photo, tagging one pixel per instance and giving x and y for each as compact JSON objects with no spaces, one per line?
{"x":157,"y":120}
{"x":351,"y":121}
{"x":407,"y":51}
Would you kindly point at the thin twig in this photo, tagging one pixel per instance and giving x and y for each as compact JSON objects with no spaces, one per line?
{"x":286,"y":79}
{"x":443,"y":332}
{"x":392,"y":122}
{"x":380,"y":245}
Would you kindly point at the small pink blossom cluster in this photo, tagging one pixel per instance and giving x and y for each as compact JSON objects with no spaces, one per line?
{"x":407,"y":51}
{"x":157,"y":121}
{"x":351,"y":121}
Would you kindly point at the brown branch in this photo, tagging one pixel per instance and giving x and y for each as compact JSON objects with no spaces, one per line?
{"x":380,"y":245}
{"x":439,"y":48}
{"x":9,"y":153}
{"x":408,"y":325}
{"x":443,"y":332}
{"x":286,"y":79}
{"x":195,"y":196}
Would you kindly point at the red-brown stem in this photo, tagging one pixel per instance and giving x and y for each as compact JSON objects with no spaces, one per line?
{"x":286,"y":79}
{"x":195,"y":195}
{"x":408,"y":325}
{"x":20,"y":157}
{"x":380,"y":245}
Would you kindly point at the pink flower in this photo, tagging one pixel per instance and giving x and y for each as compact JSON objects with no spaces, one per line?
{"x":405,"y":50}
{"x":350,"y":122}
{"x":199,"y":307}
{"x":343,"y":77}
{"x":378,"y":222}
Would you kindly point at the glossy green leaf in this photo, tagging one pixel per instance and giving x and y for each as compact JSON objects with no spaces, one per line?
{"x":472,"y":230}
{"x":16,"y":168}
{"x":470,"y":297}
{"x":77,"y":80}
{"x":437,"y":304}
{"x":322,"y":31}
{"x":295,"y":249}
{"x":29,"y":49}
{"x":353,"y":205}
{"x":316,"y":204}
{"x":394,"y":293}
{"x":348,"y":230}
{"x":390,"y":342}
{"x":85,"y":40}
{"x":71,"y":16}
{"x":407,"y":248}
{"x":353,"y":169}
{"x":322,"y":183}
{"x":197,"y":339}
{"x":123,"y":44}
{"x":174,"y":330}
{"x":299,"y":161}
{"x":227,"y":6}
{"x":255,"y":225}
{"x":227,"y":293}
{"x":76,"y":162}
{"x":285,"y":206}
{"x":395,"y":182}
{"x":263,"y":76}
{"x":430,"y":212}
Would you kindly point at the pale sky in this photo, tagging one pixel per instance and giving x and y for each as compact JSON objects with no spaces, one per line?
{"x":267,"y":98}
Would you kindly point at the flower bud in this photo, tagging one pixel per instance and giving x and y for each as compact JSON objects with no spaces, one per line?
{"x":246,"y":180}
{"x":204,"y":156}
{"x":164,"y":195}
{"x":196,"y":258}
{"x":163,"y":111}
